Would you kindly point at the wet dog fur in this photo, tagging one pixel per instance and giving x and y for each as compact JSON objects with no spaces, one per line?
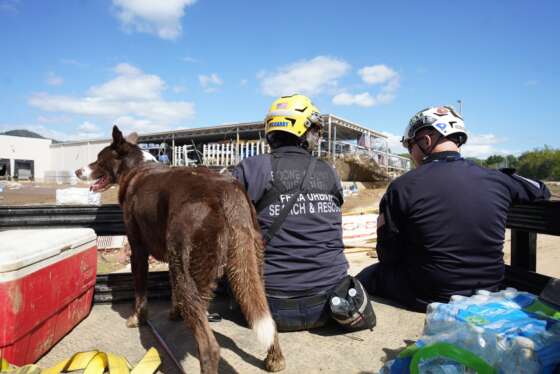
{"x":203,"y":224}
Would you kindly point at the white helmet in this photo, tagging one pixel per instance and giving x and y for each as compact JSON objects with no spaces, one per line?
{"x":442,"y":118}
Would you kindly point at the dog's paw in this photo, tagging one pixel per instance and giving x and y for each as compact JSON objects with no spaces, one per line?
{"x":274,"y":363}
{"x":134,"y":321}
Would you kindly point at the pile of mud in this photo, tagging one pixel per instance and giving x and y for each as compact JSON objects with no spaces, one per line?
{"x":359,"y":168}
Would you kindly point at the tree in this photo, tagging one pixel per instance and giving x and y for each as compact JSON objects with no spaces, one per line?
{"x":512,"y":161}
{"x":477,"y":161}
{"x":540,"y":164}
{"x":495,"y":160}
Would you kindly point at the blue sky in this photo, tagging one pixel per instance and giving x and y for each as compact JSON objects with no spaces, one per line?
{"x":70,"y":69}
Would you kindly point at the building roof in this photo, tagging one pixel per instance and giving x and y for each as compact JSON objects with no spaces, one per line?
{"x":80,"y":142}
{"x":346,"y":130}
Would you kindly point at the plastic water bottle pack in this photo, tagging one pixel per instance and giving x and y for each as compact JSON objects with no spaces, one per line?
{"x":501,"y":332}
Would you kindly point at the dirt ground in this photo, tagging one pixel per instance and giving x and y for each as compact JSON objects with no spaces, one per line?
{"x":27,"y":193}
{"x":554,"y":189}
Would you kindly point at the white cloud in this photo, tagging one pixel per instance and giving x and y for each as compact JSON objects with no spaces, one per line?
{"x":308,"y":77}
{"x":531,"y":82}
{"x":130,"y":123}
{"x":56,"y":120}
{"x":364,"y":99}
{"x":88,"y":130}
{"x":130,"y":83}
{"x":131,"y":94}
{"x":478,"y":145}
{"x":210,"y":83}
{"x":179,"y":88}
{"x":377,"y":74}
{"x":243,"y":82}
{"x":162,"y":18}
{"x":53,"y":79}
{"x":372,"y":75}
{"x":482,"y":146}
{"x":394,"y":143}
{"x":50,"y":133}
{"x":9,"y":6}
{"x":88,"y":127}
{"x":190,"y":59}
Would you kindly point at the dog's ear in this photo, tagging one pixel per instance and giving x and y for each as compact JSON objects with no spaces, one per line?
{"x":117,"y":136}
{"x":132,"y":138}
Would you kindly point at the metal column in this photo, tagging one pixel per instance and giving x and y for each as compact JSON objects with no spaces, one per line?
{"x":329,"y":140}
{"x":173,"y":150}
{"x":334,"y":143}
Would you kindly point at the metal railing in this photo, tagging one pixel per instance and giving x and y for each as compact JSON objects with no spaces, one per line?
{"x":230,"y":154}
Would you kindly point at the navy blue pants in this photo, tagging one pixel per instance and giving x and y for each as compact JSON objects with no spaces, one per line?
{"x":299,"y":313}
{"x":390,"y":282}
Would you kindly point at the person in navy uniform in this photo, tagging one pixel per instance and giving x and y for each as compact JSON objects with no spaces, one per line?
{"x":304,"y":259}
{"x":441,"y":226}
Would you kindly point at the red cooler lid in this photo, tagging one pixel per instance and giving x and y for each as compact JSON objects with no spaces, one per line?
{"x":21,"y":248}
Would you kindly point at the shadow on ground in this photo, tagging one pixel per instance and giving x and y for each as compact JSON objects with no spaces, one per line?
{"x":179,"y":337}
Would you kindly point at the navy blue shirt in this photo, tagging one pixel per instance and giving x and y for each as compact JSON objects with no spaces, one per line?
{"x":445,"y":224}
{"x":306,"y":255}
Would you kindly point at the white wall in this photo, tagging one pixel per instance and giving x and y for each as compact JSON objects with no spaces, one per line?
{"x":72,"y":156}
{"x":20,"y":148}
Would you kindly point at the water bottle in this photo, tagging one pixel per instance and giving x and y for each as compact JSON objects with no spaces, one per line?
{"x":340,"y":306}
{"x":440,"y":317}
{"x":521,"y":357}
{"x":481,"y":342}
{"x":456,"y":299}
{"x":352,"y":297}
{"x":500,"y":334}
{"x":439,"y":366}
{"x":509,"y":293}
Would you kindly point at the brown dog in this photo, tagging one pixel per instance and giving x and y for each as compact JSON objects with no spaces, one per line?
{"x":202,"y":223}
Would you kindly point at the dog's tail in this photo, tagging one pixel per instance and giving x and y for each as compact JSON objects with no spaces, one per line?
{"x":244,"y":270}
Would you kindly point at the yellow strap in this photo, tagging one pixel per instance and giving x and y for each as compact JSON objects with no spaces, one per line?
{"x":78,"y":361}
{"x":92,"y":362}
{"x":97,"y":365}
{"x":117,"y":364}
{"x":149,"y":364}
{"x":4,"y":365}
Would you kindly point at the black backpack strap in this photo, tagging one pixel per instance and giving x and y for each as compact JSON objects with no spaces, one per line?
{"x":275,"y":190}
{"x":277,"y":223}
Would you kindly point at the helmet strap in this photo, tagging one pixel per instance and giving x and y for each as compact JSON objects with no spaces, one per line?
{"x":428,"y":152}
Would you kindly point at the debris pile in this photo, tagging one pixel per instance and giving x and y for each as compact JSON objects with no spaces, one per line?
{"x":359,"y":168}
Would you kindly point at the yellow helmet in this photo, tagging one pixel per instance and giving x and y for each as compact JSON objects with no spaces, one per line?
{"x":293,"y":114}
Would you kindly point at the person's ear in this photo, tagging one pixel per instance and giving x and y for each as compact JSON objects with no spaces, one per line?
{"x":428,"y":140}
